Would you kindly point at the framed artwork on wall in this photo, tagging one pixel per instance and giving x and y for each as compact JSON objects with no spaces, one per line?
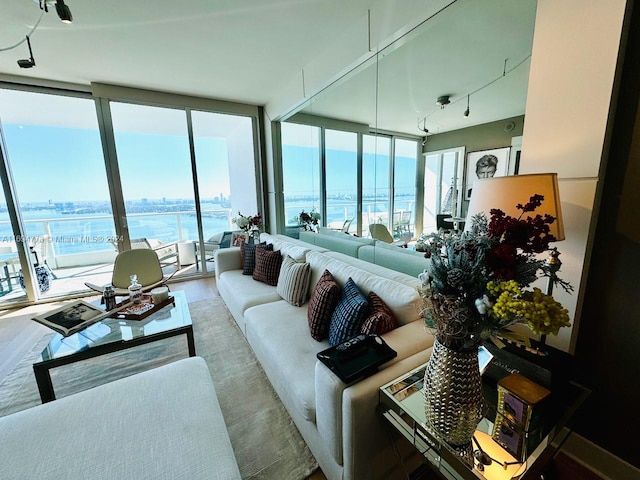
{"x":485,"y":164}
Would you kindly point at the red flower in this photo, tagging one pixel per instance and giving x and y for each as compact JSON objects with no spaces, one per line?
{"x":502,"y":261}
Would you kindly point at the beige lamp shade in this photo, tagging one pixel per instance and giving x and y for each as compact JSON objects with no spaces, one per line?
{"x":504,"y":193}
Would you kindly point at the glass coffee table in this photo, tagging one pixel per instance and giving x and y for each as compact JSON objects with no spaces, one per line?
{"x":401,"y":403}
{"x":112,"y":335}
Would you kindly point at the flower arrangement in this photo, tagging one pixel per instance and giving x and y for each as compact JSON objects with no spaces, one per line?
{"x":478,"y":282}
{"x":309,"y":220}
{"x":247,"y":223}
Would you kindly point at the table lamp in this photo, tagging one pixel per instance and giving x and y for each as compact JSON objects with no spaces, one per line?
{"x":505,"y":193}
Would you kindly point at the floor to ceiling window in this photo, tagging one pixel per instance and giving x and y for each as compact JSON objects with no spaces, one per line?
{"x":341,"y":178}
{"x":300,"y":170}
{"x":442,"y":188}
{"x":152,"y":145}
{"x":404,"y":187}
{"x":55,"y":158}
{"x":376,"y":186}
{"x":175,"y":176}
{"x":225,"y":164}
{"x":387,"y":172}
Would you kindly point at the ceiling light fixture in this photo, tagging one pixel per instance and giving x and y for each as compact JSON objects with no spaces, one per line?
{"x":27,"y":62}
{"x":466,"y":112}
{"x":443,"y":100}
{"x":64,"y":12}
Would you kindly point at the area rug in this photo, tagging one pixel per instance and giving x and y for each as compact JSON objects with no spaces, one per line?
{"x":265,"y":441}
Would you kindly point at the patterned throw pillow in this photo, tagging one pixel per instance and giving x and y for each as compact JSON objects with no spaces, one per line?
{"x":380,"y":319}
{"x":248,"y":251}
{"x":349,"y":314}
{"x":267,"y":267}
{"x":293,"y":281}
{"x":324,"y":298}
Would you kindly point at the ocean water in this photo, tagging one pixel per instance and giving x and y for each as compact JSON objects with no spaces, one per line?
{"x":84,"y":233}
{"x":72,"y":233}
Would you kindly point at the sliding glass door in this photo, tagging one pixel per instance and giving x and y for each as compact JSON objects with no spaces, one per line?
{"x":152,"y":146}
{"x":376,"y":184}
{"x":61,"y":194}
{"x":167,"y":178}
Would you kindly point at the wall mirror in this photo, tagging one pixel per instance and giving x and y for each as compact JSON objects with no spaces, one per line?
{"x":477,"y":55}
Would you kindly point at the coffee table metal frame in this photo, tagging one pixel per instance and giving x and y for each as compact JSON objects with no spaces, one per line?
{"x":41,"y":369}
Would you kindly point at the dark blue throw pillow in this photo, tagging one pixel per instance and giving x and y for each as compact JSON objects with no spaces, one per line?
{"x":349,"y":314}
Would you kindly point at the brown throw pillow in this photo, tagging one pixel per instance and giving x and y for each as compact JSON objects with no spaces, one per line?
{"x":248,"y":251}
{"x":381,"y":319}
{"x":324,"y":299}
{"x":267,"y":267}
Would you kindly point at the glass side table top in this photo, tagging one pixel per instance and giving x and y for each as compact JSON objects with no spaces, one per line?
{"x":112,"y":330}
{"x":402,"y":404}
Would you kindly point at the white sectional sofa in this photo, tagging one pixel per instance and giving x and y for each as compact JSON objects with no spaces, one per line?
{"x":338,"y":422}
{"x":163,"y":423}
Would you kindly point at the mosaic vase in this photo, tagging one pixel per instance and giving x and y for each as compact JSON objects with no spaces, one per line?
{"x":453,"y":394}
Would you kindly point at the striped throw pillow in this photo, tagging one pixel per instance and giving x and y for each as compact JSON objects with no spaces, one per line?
{"x":380,"y":319}
{"x":293,"y":281}
{"x":324,"y":298}
{"x":349,"y":314}
{"x":267,"y":269}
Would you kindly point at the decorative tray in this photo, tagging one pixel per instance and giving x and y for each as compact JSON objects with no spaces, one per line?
{"x":143,"y":310}
{"x":358,"y":361}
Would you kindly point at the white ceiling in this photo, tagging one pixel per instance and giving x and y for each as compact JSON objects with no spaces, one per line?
{"x":237,"y":50}
{"x":247,"y":50}
{"x":458,"y":52}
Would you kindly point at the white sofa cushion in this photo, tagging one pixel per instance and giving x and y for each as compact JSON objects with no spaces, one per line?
{"x":241,"y":292}
{"x":279,"y":336}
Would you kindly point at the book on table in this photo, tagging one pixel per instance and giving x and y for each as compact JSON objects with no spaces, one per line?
{"x":71,"y":317}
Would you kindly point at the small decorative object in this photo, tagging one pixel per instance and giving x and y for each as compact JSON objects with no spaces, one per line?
{"x":159,"y":295}
{"x":109,"y":298}
{"x":43,"y":277}
{"x":520,"y":404}
{"x":255,"y":234}
{"x":135,"y":290}
{"x":477,"y":286}
{"x":309,"y":221}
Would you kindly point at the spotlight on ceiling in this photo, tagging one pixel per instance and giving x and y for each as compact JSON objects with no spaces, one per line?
{"x":63,"y":12}
{"x":443,"y":100}
{"x":466,"y":112}
{"x":27,"y":62}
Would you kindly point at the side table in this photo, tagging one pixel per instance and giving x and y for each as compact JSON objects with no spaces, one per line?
{"x":401,"y":403}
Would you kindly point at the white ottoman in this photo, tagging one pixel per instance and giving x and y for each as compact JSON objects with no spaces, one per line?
{"x":164,"y":423}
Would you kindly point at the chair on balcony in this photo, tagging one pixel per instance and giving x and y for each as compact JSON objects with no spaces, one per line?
{"x":143,"y":262}
{"x":166,"y":252}
{"x":216,"y":242}
{"x":346,"y":225}
{"x":380,"y":232}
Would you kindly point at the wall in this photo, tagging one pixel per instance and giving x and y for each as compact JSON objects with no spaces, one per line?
{"x":479,"y":137}
{"x":607,"y":357}
{"x":567,"y":110}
